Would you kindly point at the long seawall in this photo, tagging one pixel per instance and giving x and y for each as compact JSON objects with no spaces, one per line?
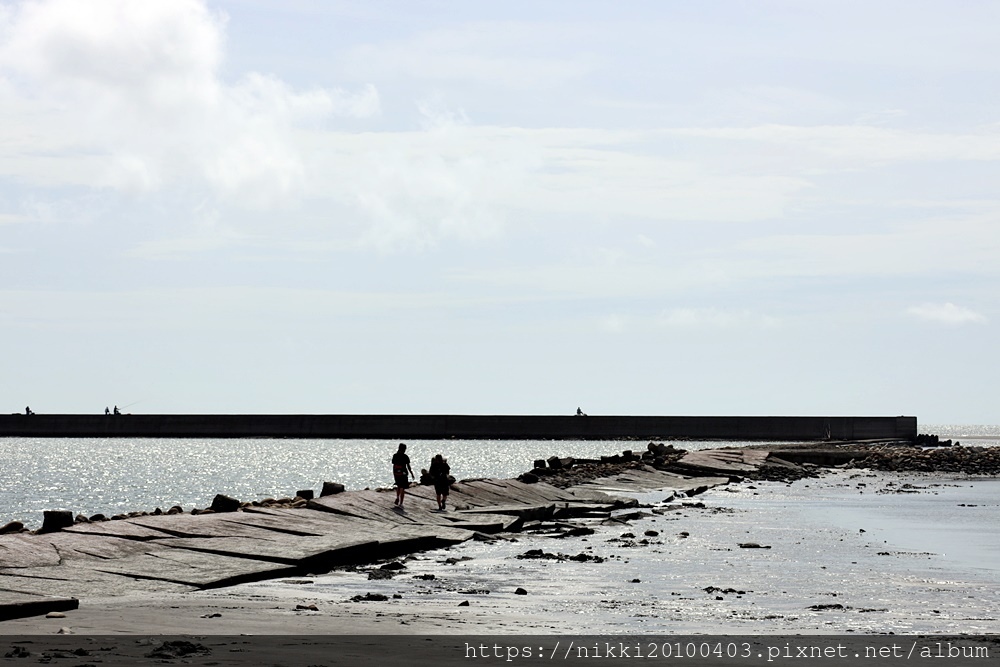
{"x":417,"y":427}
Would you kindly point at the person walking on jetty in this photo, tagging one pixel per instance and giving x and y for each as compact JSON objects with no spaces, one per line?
{"x":401,"y":473}
{"x":441,"y":478}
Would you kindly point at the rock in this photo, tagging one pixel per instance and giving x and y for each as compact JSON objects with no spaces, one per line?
{"x":331,"y":488}
{"x":55,"y":614}
{"x":306,"y":607}
{"x":55,"y":520}
{"x":520,"y":591}
{"x":12,"y":527}
{"x":369,"y":597}
{"x":464,"y":603}
{"x":98,"y":517}
{"x":305,"y":494}
{"x":223,"y":503}
{"x":539,"y":463}
{"x":528,"y":478}
{"x":659,"y":449}
{"x":394,"y":565}
{"x":176,"y":509}
{"x":651,"y":533}
{"x":18,"y":652}
{"x":80,"y":518}
{"x":555,"y":462}
{"x":483,"y":537}
{"x":751,"y":545}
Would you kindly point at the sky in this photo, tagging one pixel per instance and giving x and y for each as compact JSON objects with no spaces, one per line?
{"x":439,"y":206}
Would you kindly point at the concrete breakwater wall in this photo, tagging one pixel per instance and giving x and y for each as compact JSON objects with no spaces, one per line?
{"x":438,"y":427}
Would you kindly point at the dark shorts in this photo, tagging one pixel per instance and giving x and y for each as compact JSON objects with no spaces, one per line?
{"x":441,"y":487}
{"x":402,"y":481}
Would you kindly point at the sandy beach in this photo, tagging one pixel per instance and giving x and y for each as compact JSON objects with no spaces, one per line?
{"x":852,"y":551}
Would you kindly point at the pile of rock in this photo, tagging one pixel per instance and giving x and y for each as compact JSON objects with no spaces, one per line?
{"x":970,"y":460}
{"x":564,"y":472}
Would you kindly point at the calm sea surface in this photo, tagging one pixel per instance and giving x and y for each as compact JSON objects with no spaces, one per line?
{"x":113,"y":475}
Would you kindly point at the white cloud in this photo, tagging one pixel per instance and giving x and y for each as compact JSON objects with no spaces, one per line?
{"x":505,"y":54}
{"x":946,"y":313}
{"x":614,"y":324}
{"x":713,"y":318}
{"x":862,"y":144}
{"x":128,"y":95}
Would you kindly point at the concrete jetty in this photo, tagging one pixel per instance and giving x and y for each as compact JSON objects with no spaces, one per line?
{"x":474,"y":427}
{"x":42,"y":572}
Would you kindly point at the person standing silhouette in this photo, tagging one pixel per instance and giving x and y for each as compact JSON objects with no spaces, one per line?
{"x":401,"y":473}
{"x":439,"y":473}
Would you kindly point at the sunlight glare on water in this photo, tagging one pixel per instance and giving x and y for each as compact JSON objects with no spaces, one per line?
{"x":113,"y":475}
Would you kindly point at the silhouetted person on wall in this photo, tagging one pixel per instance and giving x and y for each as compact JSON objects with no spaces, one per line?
{"x":401,"y":473}
{"x":106,"y":410}
{"x":440,"y":476}
{"x":27,"y":410}
{"x":117,"y":411}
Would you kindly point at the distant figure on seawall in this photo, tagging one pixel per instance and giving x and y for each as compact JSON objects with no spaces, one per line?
{"x":580,"y":413}
{"x":117,"y":411}
{"x":27,"y":410}
{"x":107,"y":410}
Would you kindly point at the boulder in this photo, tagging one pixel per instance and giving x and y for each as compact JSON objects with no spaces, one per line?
{"x":223,"y":503}
{"x":56,"y":520}
{"x":660,"y":449}
{"x":539,"y":463}
{"x":305,"y":494}
{"x":331,"y":488}
{"x":557,"y":463}
{"x":12,"y":527}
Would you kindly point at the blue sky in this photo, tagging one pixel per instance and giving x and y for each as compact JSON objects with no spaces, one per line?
{"x":418,"y":207}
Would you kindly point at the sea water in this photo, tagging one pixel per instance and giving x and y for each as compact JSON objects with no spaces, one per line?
{"x":113,"y":475}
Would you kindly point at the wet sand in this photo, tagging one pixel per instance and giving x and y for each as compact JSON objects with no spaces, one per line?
{"x":852,"y":551}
